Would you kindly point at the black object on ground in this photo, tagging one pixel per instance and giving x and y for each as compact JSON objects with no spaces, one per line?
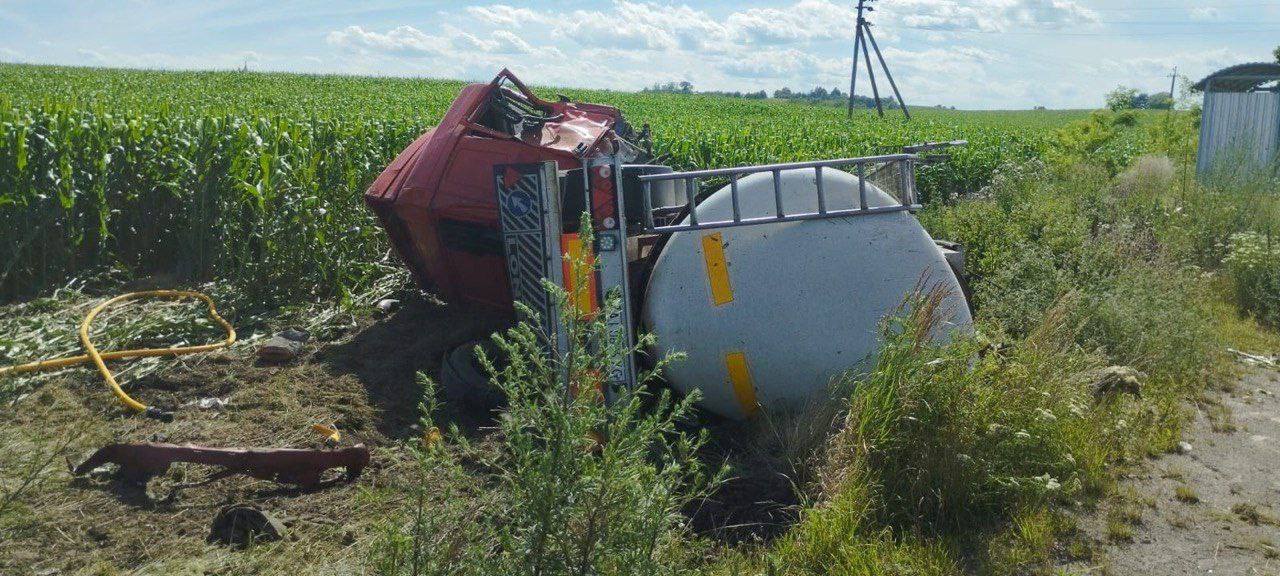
{"x":240,"y":525}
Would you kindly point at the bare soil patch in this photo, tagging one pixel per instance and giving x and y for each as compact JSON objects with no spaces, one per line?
{"x":1212,"y":509}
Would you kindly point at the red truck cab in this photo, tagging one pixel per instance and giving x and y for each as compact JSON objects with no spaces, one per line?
{"x":437,"y":199}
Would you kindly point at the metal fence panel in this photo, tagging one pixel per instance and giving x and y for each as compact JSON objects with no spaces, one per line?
{"x":1240,"y":131}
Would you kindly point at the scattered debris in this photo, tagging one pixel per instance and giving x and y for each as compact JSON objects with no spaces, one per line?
{"x":239,"y":525}
{"x":284,"y":346}
{"x":101,"y":472}
{"x":330,"y":433}
{"x":212,"y":403}
{"x":1114,"y":380}
{"x":1184,"y":447}
{"x":387,"y":305}
{"x":1255,"y":359}
{"x":300,"y":467}
{"x":92,"y":355}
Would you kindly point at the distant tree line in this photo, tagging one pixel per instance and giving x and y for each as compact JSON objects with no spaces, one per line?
{"x":1132,"y":99}
{"x":820,"y":94}
{"x":816,"y":96}
{"x":671,"y":87}
{"x":687,"y":88}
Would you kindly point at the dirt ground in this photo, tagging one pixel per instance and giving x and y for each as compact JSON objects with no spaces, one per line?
{"x":364,"y":383}
{"x":1213,"y":508}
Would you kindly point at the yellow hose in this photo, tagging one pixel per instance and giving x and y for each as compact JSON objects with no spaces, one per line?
{"x":98,"y":359}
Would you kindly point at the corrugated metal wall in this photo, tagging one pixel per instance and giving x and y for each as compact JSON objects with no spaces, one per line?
{"x":1240,"y":131}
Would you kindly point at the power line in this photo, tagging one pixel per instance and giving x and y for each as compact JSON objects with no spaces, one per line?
{"x":1202,"y":24}
{"x":1160,"y":8}
{"x":1177,"y":23}
{"x":1092,"y":34}
{"x":1185,"y":7}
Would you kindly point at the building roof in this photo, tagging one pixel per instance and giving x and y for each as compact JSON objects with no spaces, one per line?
{"x":1240,"y":78}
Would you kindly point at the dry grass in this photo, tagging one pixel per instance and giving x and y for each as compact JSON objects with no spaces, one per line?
{"x":1174,"y":472}
{"x":105,"y":524}
{"x":1250,"y":513}
{"x":1179,"y":520}
{"x":1119,"y":531}
{"x":1130,"y":515}
{"x":1151,"y":172}
{"x":1186,"y":494}
{"x":1219,"y":415}
{"x":102,"y":525}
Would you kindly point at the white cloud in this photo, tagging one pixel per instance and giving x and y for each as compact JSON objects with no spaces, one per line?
{"x":506,"y":42}
{"x":950,"y":61}
{"x":502,"y":15}
{"x":804,"y":21}
{"x":632,"y":25}
{"x":1195,"y":64}
{"x":94,"y":55}
{"x":402,"y":40}
{"x":1205,"y":13}
{"x":501,"y":42}
{"x":409,"y":42}
{"x":653,"y":26}
{"x":989,"y":15}
{"x":9,"y":53}
{"x":627,"y":44}
{"x":772,"y":64}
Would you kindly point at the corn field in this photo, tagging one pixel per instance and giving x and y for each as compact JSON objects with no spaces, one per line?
{"x":256,"y":179}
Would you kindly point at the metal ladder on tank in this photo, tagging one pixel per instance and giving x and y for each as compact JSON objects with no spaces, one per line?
{"x":900,"y":166}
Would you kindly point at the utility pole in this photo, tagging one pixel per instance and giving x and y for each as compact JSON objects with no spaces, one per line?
{"x":864,"y":42}
{"x":1173,"y":83}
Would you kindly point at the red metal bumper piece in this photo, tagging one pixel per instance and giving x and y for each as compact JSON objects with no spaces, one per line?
{"x":141,"y":462}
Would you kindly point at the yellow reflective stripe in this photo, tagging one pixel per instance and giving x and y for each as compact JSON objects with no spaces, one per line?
{"x":717,"y":269}
{"x":582,"y":295}
{"x":740,"y":377}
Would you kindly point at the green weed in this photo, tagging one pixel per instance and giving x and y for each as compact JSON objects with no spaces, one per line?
{"x":574,"y":485}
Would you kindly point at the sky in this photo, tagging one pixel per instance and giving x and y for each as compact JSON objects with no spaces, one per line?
{"x":974,"y":54}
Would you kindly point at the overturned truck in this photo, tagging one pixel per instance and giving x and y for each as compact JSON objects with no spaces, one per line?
{"x":772,"y":278}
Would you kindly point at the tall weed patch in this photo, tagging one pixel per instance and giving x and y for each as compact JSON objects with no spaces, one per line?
{"x":571,"y":484}
{"x":1253,"y":265}
{"x":941,"y":443}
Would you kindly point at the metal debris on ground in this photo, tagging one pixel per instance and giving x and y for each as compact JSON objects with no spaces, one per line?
{"x":284,"y":346}
{"x":212,"y":403}
{"x":239,"y":525}
{"x":299,"y":467}
{"x":1255,"y":359}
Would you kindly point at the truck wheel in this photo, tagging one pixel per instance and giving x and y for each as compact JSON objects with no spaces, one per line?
{"x":465,"y":380}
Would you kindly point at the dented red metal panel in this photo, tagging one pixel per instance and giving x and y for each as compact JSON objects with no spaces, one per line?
{"x":437,"y":199}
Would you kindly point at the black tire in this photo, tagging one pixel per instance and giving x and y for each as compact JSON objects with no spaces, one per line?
{"x":465,"y":380}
